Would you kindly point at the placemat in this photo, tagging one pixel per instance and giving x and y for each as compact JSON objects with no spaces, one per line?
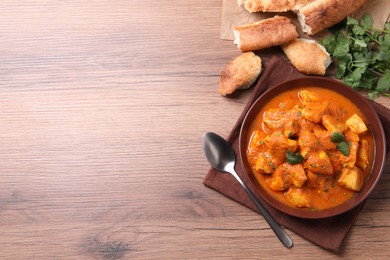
{"x":328,"y":233}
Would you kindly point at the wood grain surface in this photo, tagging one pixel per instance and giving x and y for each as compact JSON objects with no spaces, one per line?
{"x":103,"y":106}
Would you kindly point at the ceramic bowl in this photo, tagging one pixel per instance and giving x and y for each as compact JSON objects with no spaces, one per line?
{"x":373,"y":124}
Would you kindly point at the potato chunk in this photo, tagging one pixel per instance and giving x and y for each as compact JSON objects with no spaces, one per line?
{"x":351,"y":178}
{"x":363,"y":154}
{"x":356,"y":124}
{"x":332,"y":124}
{"x":296,"y":197}
{"x":351,"y":160}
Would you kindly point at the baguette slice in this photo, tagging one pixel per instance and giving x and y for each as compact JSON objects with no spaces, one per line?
{"x":322,"y":14}
{"x":240,"y":73}
{"x":274,"y":5}
{"x":307,"y":56}
{"x":265,"y":33}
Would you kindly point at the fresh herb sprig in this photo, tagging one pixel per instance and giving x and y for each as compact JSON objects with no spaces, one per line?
{"x":362,"y":55}
{"x":294,"y":158}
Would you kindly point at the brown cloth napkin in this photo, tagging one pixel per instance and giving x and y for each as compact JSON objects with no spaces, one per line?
{"x":328,"y":233}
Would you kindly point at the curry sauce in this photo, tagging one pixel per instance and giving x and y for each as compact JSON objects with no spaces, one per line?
{"x":310,"y":148}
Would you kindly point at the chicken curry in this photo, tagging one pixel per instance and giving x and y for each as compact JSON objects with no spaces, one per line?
{"x":310,"y":148}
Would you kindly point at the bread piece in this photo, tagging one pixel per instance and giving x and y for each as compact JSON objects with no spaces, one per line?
{"x":322,"y":14}
{"x":274,"y":5}
{"x":240,"y":73}
{"x":265,"y":33}
{"x":307,"y":56}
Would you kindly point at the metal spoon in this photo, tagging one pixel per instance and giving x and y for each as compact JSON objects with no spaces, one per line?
{"x":222,"y":157}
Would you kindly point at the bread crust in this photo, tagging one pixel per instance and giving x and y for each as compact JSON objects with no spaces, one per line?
{"x":274,"y":5}
{"x":307,"y":56}
{"x":240,"y":73}
{"x":322,"y":14}
{"x":265,"y":33}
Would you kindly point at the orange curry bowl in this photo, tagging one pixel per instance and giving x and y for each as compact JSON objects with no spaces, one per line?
{"x":312,"y":147}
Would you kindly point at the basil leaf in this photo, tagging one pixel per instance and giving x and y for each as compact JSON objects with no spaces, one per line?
{"x":343,"y":147}
{"x":294,"y":158}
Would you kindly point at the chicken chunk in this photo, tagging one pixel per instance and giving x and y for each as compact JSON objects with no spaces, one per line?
{"x":356,"y":124}
{"x":307,"y":142}
{"x":257,"y":139}
{"x":307,"y":96}
{"x":340,"y":160}
{"x":287,"y":175}
{"x":363,"y":154}
{"x":279,"y":180}
{"x":276,"y":119}
{"x":278,"y":145}
{"x":264,"y":163}
{"x":297,"y":175}
{"x":315,"y":180}
{"x":351,"y":136}
{"x":296,"y":197}
{"x":291,"y":127}
{"x":314,"y":111}
{"x":305,"y":124}
{"x":319,"y":162}
{"x":333,"y":125}
{"x":273,"y":118}
{"x":324,"y":137}
{"x":351,"y":178}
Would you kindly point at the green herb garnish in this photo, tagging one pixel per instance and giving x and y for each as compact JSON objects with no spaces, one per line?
{"x":362,"y":55}
{"x":337,"y":137}
{"x":294,"y":158}
{"x":343,"y":147}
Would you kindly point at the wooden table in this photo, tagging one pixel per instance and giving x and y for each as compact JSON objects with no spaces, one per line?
{"x":103,"y":105}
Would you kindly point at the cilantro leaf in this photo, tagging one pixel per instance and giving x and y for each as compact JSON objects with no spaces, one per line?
{"x":362,"y":55}
{"x":343,"y":147}
{"x":294,"y":158}
{"x":342,"y":47}
{"x":358,"y":30}
{"x":384,"y":82}
{"x":352,"y":21}
{"x":366,"y":21}
{"x":329,"y":43}
{"x":337,"y":137}
{"x":373,"y":95}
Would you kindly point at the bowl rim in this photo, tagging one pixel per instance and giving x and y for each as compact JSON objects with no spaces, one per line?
{"x":374,"y":124}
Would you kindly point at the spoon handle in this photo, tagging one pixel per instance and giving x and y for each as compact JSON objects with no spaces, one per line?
{"x":279,"y":232}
